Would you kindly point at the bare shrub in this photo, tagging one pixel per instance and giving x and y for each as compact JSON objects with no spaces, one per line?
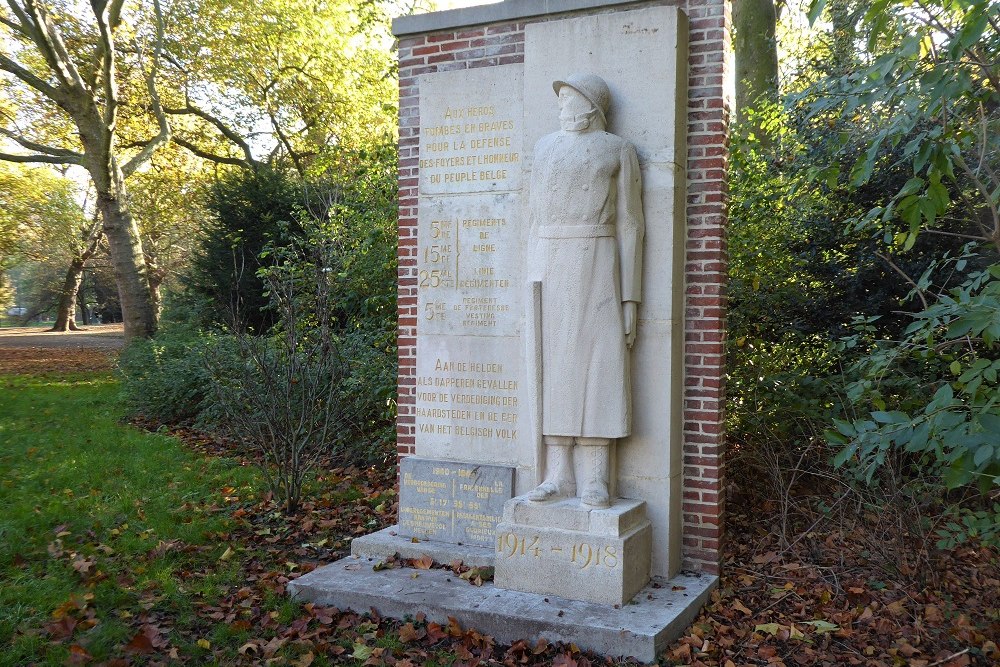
{"x":283,"y":394}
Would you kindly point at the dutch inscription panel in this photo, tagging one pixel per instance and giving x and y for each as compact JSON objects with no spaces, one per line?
{"x":470,"y":398}
{"x":452,"y":502}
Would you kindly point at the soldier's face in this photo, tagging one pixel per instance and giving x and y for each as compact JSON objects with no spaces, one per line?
{"x":572,"y":103}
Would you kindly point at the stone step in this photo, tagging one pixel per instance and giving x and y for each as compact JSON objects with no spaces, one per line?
{"x":641,"y":629}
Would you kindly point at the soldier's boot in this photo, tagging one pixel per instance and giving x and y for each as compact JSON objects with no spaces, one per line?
{"x":597,"y":463}
{"x":559,"y":478}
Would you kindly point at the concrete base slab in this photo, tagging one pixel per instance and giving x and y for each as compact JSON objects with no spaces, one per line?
{"x":387,"y":542}
{"x":641,"y":629}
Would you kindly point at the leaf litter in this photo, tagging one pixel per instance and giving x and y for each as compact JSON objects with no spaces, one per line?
{"x":826,"y":600}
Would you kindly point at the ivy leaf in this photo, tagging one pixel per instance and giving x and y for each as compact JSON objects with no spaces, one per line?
{"x":815,"y":9}
{"x":822,"y":627}
{"x":983,"y":454}
{"x":769,"y":628}
{"x":361,"y":651}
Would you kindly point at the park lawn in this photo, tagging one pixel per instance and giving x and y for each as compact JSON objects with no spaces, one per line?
{"x":88,"y":505}
{"x":121,"y":546}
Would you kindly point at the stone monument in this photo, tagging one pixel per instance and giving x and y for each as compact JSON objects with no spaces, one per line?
{"x":561,"y":319}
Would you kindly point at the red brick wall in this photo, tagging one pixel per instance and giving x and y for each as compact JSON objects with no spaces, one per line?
{"x":705,"y":268}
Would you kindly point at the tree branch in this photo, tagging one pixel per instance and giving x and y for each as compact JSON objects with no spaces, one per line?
{"x":286,"y":143}
{"x":908,"y":279}
{"x":226,"y":131}
{"x":976,"y":59}
{"x":26,"y":25}
{"x":49,"y":41}
{"x":8,"y":65}
{"x":972,"y":237}
{"x":40,"y":148}
{"x":48,"y":159}
{"x":13,"y":25}
{"x":987,"y":197}
{"x":205,"y":155}
{"x":105,"y":62}
{"x":161,"y":119}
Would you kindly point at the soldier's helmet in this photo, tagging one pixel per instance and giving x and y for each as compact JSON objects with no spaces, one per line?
{"x":590,"y":86}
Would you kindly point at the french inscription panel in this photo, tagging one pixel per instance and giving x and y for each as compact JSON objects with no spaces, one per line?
{"x":470,"y":130}
{"x":452,"y":502}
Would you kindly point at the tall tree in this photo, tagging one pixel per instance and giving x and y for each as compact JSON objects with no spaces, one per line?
{"x":43,"y":222}
{"x":298,"y":78}
{"x":68,"y":61}
{"x":85,"y":246}
{"x":169,"y":201}
{"x":756,"y":50}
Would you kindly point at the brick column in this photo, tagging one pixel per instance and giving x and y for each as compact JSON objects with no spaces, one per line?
{"x":706,"y":273}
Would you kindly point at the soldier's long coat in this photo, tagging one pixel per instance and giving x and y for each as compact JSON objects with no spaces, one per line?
{"x":585,"y":211}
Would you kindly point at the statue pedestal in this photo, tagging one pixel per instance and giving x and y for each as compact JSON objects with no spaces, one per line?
{"x":560,"y":548}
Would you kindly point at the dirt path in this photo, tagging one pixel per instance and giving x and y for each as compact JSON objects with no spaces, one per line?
{"x":105,"y":336}
{"x":33,"y":350}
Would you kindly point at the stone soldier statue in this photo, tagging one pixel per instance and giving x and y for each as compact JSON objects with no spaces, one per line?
{"x":585,"y":210}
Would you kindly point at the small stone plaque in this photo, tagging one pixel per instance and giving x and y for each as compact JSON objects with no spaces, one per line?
{"x":452,"y":502}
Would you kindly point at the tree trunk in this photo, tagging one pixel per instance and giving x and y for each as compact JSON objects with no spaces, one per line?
{"x":124,"y":242}
{"x":125,"y":248}
{"x":754,"y":23}
{"x":156,"y":275}
{"x":66,"y":312}
{"x":81,"y":301}
{"x":845,"y":31}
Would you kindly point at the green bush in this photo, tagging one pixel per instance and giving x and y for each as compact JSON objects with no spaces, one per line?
{"x":164,"y":379}
{"x":305,"y":371}
{"x":932,"y":400}
{"x":249,"y":211}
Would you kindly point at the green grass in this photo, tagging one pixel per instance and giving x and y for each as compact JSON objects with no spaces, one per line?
{"x":77,"y":486}
{"x":111,"y":530}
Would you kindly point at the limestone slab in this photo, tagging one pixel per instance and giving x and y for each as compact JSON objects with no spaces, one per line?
{"x":452,"y":501}
{"x":659,"y":613}
{"x":471,"y":399}
{"x":472,"y":390}
{"x":561,"y":548}
{"x":508,"y":10}
{"x":615,"y":521}
{"x":469,"y":265}
{"x":616,"y":46}
{"x":648,"y":111}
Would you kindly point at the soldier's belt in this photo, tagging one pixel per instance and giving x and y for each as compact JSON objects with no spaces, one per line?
{"x":575,"y":231}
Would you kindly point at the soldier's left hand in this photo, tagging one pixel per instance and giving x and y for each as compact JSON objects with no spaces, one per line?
{"x":629,"y":310}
